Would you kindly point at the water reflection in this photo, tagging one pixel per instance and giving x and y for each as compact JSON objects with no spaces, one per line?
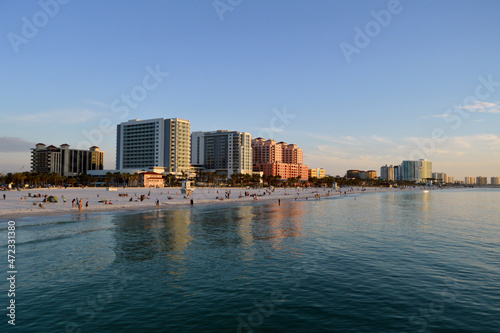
{"x":141,"y":237}
{"x":411,"y":208}
{"x":275,"y":223}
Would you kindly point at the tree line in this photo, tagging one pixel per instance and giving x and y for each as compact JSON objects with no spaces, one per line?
{"x":202,"y":178}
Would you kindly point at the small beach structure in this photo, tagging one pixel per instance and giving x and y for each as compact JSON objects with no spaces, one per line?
{"x":52,"y":199}
{"x":186,"y":187}
{"x":151,"y":179}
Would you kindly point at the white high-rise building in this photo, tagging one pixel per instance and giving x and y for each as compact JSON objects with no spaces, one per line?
{"x":420,"y":170}
{"x":470,"y":180}
{"x":387,"y":172}
{"x":223,"y":151}
{"x":146,"y":144}
{"x":442,"y":177}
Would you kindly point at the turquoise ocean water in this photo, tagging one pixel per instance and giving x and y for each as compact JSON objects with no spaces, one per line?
{"x":384,"y":262}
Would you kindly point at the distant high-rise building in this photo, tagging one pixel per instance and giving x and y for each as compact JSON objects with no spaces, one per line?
{"x":145,"y":144}
{"x":442,"y":177}
{"x":361,"y":174}
{"x":397,"y":172}
{"x":278,"y":159}
{"x":420,"y":170}
{"x":481,"y":180}
{"x":495,"y":180}
{"x":470,"y":180}
{"x":222,"y":151}
{"x":356,"y":174}
{"x":65,"y":161}
{"x":387,"y":173}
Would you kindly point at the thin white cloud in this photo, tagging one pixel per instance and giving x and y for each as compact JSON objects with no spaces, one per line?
{"x":72,"y":116}
{"x":96,"y":103}
{"x":483,"y":107}
{"x":443,"y":115}
{"x":382,"y":140}
{"x":345,"y":140}
{"x":479,"y":107}
{"x":470,"y":152}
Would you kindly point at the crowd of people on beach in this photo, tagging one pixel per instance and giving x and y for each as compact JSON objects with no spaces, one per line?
{"x":50,"y":202}
{"x":78,"y":203}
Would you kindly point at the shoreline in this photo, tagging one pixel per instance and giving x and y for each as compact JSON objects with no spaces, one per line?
{"x":14,"y":208}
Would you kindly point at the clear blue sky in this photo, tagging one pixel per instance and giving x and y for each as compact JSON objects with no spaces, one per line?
{"x":238,"y":67}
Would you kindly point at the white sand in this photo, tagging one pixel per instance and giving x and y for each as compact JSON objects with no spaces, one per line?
{"x":13,"y":206}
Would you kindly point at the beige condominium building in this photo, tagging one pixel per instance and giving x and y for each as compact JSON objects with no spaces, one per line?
{"x":154,"y":143}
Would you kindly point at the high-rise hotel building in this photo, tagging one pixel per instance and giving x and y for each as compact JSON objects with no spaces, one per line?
{"x":222,"y":151}
{"x":420,"y":170}
{"x":278,"y":159}
{"x":145,"y":144}
{"x":387,"y":173}
{"x":65,"y":161}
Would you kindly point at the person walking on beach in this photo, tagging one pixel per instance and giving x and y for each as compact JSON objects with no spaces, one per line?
{"x":87,"y":205}
{"x":157,"y":203}
{"x":4,"y":196}
{"x":279,"y":202}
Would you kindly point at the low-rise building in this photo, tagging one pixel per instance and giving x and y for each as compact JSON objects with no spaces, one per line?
{"x":151,"y":179}
{"x":317,"y":173}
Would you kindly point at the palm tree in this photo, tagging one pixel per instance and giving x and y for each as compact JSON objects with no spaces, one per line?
{"x":256,"y":178}
{"x":170,"y":178}
{"x":126,"y":178}
{"x":71,"y":181}
{"x":108,"y":178}
{"x":9,"y":178}
{"x":135,"y":178}
{"x":116,"y":178}
{"x":19,"y":178}
{"x":247,"y":179}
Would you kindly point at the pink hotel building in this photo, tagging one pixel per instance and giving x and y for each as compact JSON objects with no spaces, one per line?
{"x":278,"y":158}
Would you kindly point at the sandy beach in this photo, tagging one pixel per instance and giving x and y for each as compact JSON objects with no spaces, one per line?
{"x":27,"y":202}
